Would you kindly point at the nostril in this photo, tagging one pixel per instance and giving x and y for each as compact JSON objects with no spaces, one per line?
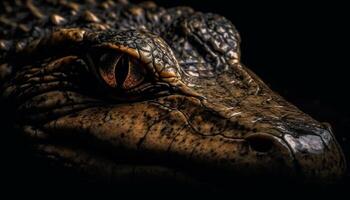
{"x":260,"y":143}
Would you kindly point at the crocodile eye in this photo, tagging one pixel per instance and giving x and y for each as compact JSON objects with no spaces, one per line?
{"x":118,"y":70}
{"x":130,"y":73}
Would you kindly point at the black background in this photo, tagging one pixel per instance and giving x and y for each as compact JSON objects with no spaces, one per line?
{"x":299,"y":49}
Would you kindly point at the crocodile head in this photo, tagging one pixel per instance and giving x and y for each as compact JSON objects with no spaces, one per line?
{"x":169,"y":101}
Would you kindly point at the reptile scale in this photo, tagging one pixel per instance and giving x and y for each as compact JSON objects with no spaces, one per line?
{"x":120,"y":89}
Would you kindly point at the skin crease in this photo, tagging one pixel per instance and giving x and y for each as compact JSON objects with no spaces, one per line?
{"x":198,"y":110}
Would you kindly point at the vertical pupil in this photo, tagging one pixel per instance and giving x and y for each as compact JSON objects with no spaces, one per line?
{"x":122,"y":70}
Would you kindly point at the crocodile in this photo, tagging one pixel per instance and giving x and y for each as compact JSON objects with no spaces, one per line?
{"x":118,"y":89}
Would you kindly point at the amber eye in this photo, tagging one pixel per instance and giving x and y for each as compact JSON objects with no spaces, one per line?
{"x":119,"y":70}
{"x":130,"y":73}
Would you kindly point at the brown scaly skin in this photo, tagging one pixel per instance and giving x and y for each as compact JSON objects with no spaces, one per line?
{"x":184,"y":107}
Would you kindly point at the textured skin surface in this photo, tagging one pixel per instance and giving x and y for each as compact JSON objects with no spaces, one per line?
{"x":182,"y":108}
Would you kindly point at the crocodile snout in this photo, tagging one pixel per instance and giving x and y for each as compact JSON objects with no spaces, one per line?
{"x":317,"y":154}
{"x":312,"y":156}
